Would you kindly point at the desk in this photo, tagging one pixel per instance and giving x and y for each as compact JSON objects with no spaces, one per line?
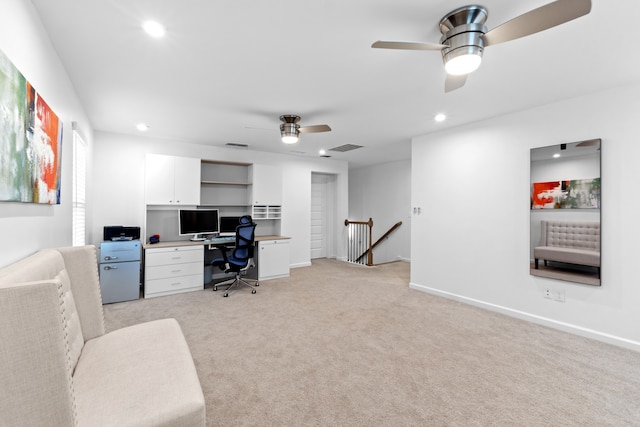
{"x":178,"y":266}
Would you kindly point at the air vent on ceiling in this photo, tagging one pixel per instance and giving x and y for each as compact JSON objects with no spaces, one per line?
{"x":345,"y":147}
{"x":236,"y":145}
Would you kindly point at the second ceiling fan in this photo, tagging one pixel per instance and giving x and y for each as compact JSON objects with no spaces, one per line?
{"x":290,"y":130}
{"x":464,"y":35}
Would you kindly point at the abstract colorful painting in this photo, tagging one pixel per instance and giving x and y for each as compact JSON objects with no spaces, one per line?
{"x":30,"y":141}
{"x":568,"y":194}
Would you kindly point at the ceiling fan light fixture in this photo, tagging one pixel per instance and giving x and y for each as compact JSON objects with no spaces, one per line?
{"x":289,"y":132}
{"x":462,"y":31}
{"x":154,"y":29}
{"x":463,"y":64}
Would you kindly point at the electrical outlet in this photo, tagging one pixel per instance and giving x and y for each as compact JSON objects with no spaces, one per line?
{"x":560,"y":296}
{"x":548,"y":294}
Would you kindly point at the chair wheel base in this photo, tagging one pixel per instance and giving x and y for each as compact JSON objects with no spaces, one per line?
{"x":226,"y":294}
{"x":253,"y":291}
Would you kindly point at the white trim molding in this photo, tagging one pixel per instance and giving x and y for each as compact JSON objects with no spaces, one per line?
{"x":562,"y":326}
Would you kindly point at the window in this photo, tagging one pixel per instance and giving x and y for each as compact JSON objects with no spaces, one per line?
{"x":79,"y":189}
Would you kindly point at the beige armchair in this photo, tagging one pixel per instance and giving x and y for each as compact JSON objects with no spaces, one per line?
{"x":58,"y":367}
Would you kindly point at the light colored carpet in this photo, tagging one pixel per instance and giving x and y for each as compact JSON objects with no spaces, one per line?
{"x":338,"y":344}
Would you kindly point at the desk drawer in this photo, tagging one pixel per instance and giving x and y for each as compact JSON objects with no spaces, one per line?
{"x":174,"y":255}
{"x":173,"y":270}
{"x":172,"y":285}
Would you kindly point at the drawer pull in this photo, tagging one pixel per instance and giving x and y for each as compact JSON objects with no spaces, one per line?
{"x":176,"y":271}
{"x":110,"y":267}
{"x":175,"y":284}
{"x":176,"y":257}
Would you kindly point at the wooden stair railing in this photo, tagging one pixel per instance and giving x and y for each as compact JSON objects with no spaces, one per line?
{"x":384,"y":236}
{"x":360,"y":239}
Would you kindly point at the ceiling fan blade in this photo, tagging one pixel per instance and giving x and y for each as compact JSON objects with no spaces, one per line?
{"x":536,"y":20}
{"x":454,"y":82}
{"x":313,"y":129}
{"x":387,"y":44}
{"x":257,"y":128}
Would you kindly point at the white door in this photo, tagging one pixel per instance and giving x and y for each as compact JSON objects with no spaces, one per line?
{"x":323,"y":215}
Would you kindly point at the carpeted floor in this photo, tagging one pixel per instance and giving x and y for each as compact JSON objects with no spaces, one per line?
{"x":338,"y":344}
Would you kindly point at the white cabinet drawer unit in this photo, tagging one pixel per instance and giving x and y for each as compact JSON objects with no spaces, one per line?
{"x":173,"y":270}
{"x":273,"y":259}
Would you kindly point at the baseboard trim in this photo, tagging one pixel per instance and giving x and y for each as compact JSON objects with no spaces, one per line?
{"x":544,"y":321}
{"x":301,"y":264}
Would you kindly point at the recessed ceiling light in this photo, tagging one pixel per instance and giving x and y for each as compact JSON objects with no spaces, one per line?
{"x":322,"y":152}
{"x":142,"y":127}
{"x":154,"y":28}
{"x":440,"y":117}
{"x":555,"y":156}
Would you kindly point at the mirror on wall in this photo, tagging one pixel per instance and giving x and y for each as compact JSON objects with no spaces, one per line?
{"x":565,"y":204}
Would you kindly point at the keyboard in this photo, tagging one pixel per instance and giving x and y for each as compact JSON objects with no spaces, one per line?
{"x":225,"y":239}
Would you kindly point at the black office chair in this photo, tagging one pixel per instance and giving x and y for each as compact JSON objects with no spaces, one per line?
{"x":241,"y":259}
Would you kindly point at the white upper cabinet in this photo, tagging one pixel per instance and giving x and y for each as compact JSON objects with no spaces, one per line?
{"x":266,"y":185}
{"x":171,"y":180}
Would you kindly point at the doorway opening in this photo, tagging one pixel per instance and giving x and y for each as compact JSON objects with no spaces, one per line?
{"x":323,"y":215}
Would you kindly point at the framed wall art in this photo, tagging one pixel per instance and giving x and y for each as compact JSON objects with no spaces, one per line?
{"x":30,"y":141}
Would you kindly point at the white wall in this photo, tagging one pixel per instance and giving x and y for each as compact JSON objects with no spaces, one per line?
{"x":471,"y":241}
{"x":27,"y":227}
{"x":119,"y":185}
{"x":383,"y":192}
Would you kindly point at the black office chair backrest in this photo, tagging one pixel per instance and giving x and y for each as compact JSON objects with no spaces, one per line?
{"x":245,"y":235}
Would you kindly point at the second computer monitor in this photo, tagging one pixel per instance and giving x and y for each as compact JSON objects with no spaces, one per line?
{"x":228,"y":225}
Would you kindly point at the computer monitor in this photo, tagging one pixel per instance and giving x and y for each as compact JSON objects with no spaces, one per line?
{"x":198,"y":223}
{"x":228,"y":225}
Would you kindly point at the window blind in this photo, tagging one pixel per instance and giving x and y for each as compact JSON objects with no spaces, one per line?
{"x":79,"y":190}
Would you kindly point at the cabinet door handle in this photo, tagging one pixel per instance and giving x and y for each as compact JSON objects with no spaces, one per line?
{"x":109,"y":258}
{"x":109,"y":267}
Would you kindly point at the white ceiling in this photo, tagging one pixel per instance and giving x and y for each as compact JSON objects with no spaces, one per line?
{"x":227,"y":69}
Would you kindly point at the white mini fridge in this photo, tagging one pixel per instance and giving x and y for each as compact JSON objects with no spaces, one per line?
{"x":120,"y":270}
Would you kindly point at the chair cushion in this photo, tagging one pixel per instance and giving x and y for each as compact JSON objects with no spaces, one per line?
{"x":570,"y":255}
{"x":141,"y":375}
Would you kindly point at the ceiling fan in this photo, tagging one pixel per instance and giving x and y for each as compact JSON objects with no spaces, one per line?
{"x":290,"y":130}
{"x":464,"y":35}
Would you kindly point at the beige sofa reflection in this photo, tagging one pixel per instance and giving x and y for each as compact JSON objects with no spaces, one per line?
{"x":573,"y":242}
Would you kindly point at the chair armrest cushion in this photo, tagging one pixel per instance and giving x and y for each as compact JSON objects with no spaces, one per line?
{"x":35,"y":374}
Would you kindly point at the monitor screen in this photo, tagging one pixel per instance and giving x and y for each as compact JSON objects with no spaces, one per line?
{"x":228,"y":225}
{"x":198,"y":222}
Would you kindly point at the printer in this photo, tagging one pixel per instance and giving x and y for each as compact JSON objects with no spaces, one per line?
{"x":120,"y":232}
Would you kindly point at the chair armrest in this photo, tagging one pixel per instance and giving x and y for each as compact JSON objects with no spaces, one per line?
{"x":35,"y":372}
{"x":81,"y":263}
